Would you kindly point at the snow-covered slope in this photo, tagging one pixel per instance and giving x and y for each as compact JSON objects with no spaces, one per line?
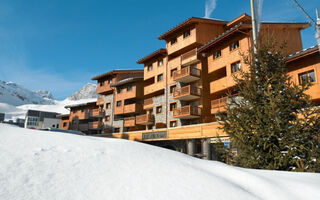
{"x":45,"y":94}
{"x":48,"y":165}
{"x":88,"y":91}
{"x":14,"y":94}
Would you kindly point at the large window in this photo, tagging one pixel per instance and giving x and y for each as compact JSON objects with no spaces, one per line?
{"x":307,"y":76}
{"x":234,"y":45}
{"x":108,"y":105}
{"x":160,"y":77}
{"x":32,"y":121}
{"x":235,"y":66}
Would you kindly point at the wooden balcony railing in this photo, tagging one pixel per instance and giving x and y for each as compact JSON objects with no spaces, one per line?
{"x":129,"y":121}
{"x":189,"y":57}
{"x":187,"y":112}
{"x":95,"y":125}
{"x":219,"y":105}
{"x":96,"y":113}
{"x":187,"y":74}
{"x":100,"y":101}
{"x":148,"y":103}
{"x":132,"y":108}
{"x":188,"y":92}
{"x":145,"y":119}
{"x":82,"y":127}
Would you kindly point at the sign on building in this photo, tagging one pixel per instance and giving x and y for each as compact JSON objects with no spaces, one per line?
{"x":154,"y":135}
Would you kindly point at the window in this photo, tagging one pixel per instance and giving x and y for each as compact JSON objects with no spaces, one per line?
{"x":108,"y":105}
{"x":173,"y":106}
{"x":307,"y":76}
{"x":186,"y":34}
{"x":109,"y":81}
{"x":160,"y":62}
{"x":53,"y":125}
{"x":118,"y":103}
{"x":129,"y":88}
{"x":57,"y":125}
{"x":116,"y":130}
{"x":119,"y":90}
{"x":101,"y":83}
{"x":173,"y":88}
{"x":160,"y":77}
{"x":150,"y":67}
{"x":173,"y":41}
{"x":107,"y":118}
{"x":158,"y":109}
{"x":173,"y":71}
{"x":235,"y":67}
{"x":64,"y":124}
{"x":234,"y":45}
{"x":217,"y":54}
{"x":173,"y":123}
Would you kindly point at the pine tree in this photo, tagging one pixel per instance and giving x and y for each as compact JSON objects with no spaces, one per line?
{"x":272,"y":122}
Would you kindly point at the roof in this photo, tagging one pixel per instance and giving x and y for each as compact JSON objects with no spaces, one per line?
{"x":220,"y":37}
{"x":127,"y":80}
{"x":190,"y":21}
{"x":242,"y":18}
{"x":304,"y":52}
{"x":117,"y":71}
{"x":63,"y":115}
{"x":81,"y":104}
{"x":152,"y":55}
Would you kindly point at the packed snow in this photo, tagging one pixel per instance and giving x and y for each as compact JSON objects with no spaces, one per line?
{"x":48,"y":165}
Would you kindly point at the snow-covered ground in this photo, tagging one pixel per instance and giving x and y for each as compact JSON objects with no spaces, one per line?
{"x":48,"y":165}
{"x":13,"y":112}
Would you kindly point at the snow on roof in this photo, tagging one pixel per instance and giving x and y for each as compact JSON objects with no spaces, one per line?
{"x":52,"y":165}
{"x":127,"y":80}
{"x":302,"y":52}
{"x":81,"y":104}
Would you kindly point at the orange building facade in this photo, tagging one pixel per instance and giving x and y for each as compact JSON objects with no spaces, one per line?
{"x":175,"y":101}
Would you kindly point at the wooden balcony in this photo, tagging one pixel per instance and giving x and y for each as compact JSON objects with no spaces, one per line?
{"x":222,"y":84}
{"x":148,"y":104}
{"x":95,"y":125}
{"x":145,"y":119}
{"x":129,"y":121}
{"x":96,"y":113}
{"x":100,"y":101}
{"x":189,"y":58}
{"x":132,"y":108}
{"x":187,"y":74}
{"x":104,"y":89}
{"x":187,"y":112}
{"x":187,"y":93}
{"x":218,"y":105}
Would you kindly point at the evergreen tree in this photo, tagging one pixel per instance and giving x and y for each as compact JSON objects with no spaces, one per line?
{"x":272,"y":122}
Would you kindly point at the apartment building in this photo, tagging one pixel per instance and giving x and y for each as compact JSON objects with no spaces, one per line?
{"x":121,"y":95}
{"x":36,"y":119}
{"x":85,"y":117}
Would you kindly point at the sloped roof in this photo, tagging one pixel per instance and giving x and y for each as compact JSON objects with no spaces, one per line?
{"x":127,"y":80}
{"x":118,"y":71}
{"x":304,"y":52}
{"x":152,"y":55}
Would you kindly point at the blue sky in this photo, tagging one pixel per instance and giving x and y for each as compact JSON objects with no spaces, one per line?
{"x":58,"y":45}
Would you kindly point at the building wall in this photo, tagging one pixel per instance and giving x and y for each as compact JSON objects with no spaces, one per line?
{"x":51,"y":123}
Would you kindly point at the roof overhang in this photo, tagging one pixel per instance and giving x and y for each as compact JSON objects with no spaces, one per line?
{"x":116,"y":72}
{"x":159,"y":52}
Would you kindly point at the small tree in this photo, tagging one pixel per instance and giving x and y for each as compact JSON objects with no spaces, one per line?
{"x":273,"y":123}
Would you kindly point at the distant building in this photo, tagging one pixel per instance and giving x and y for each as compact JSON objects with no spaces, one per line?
{"x":2,"y":117}
{"x":41,"y":119}
{"x":20,"y":122}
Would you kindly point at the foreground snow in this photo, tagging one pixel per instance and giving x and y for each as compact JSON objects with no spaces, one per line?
{"x":47,"y":165}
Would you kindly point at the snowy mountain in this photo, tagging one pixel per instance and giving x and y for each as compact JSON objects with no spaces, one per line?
{"x":51,"y":165}
{"x":14,"y":94}
{"x":45,"y":94}
{"x":88,"y":91}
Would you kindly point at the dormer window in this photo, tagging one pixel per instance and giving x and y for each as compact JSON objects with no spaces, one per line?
{"x":217,"y":54}
{"x":174,"y":40}
{"x":234,"y":45}
{"x":186,"y":34}
{"x":160,"y":62}
{"x":150,"y":67}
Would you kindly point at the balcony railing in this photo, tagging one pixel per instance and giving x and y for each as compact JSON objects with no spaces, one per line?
{"x":100,"y":101}
{"x":95,"y":125}
{"x":96,"y":113}
{"x":82,"y":127}
{"x":187,"y":74}
{"x":104,"y":89}
{"x":132,"y":108}
{"x":145,"y":119}
{"x":219,"y":105}
{"x":148,"y":104}
{"x":189,"y":57}
{"x":189,"y":92}
{"x":187,"y":112}
{"x":129,"y":121}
